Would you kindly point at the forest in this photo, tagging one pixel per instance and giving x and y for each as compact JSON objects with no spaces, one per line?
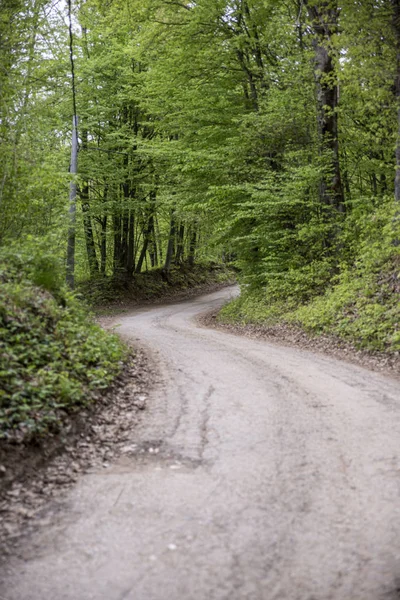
{"x":153,"y":135}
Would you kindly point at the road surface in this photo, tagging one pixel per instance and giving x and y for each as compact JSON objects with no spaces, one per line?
{"x":260,"y":473}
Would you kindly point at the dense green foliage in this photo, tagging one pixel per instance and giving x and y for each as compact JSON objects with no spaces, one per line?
{"x":52,"y":355}
{"x":360,"y":305}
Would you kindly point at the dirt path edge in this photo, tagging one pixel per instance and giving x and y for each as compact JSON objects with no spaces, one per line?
{"x":34,"y":473}
{"x":292,"y":336}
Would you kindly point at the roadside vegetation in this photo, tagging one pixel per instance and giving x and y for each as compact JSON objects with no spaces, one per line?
{"x":359,"y":303}
{"x":53,"y":356}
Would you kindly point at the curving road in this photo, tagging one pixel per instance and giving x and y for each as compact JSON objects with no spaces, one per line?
{"x":261,"y":473}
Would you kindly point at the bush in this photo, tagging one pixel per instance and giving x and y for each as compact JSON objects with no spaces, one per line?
{"x":52,"y":355}
{"x":358,"y":302}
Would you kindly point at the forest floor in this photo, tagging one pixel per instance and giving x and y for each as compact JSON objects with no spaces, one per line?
{"x":257,"y":471}
{"x":111,"y":296}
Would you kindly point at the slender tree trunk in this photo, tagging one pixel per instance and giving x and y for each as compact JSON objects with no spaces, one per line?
{"x":383,"y":184}
{"x":170,"y":247}
{"x":124,"y":240}
{"x":103,"y":245}
{"x":117,"y":243}
{"x":396,"y":27}
{"x":157,"y":236}
{"x":324,"y":16}
{"x":88,"y":230}
{"x":192,"y":246}
{"x":130,"y":260}
{"x":153,"y":251}
{"x":146,"y":240}
{"x":103,"y":232}
{"x":152,"y":243}
{"x":126,"y":222}
{"x":180,"y":245}
{"x":253,"y":95}
{"x":70,"y":274}
{"x":252,"y":32}
{"x":70,"y":278}
{"x":87,"y":221}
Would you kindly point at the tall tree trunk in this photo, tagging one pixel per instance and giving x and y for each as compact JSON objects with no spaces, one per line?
{"x":130,"y":259}
{"x":180,"y":245}
{"x":88,"y":230}
{"x":324,"y":16}
{"x":87,"y":221}
{"x":153,"y":251}
{"x":157,"y":237}
{"x":170,"y":247}
{"x":103,"y":245}
{"x":396,"y":27}
{"x":117,"y":242}
{"x":124,"y":240}
{"x":103,"y":232}
{"x":70,"y":276}
{"x":192,"y":246}
{"x":146,"y":240}
{"x":125,"y":223}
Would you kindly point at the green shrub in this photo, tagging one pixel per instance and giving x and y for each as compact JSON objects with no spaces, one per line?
{"x":52,"y":355}
{"x":358,"y":301}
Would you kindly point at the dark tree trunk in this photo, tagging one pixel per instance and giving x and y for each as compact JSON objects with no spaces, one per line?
{"x":125,"y":259}
{"x":88,"y":229}
{"x":124,"y":240}
{"x":170,"y":247}
{"x":383,"y":183}
{"x":103,"y":245}
{"x":153,"y":251}
{"x":70,"y":275}
{"x":180,"y":245}
{"x":396,"y":27}
{"x":324,"y":16}
{"x":87,"y":221}
{"x":251,"y":29}
{"x":146,"y":239}
{"x":117,"y":242}
{"x":158,"y":240}
{"x":130,"y":259}
{"x":192,"y":247}
{"x":253,"y":95}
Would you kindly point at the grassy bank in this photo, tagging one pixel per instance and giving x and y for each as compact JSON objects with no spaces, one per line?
{"x":53,"y":357}
{"x":360,"y":303}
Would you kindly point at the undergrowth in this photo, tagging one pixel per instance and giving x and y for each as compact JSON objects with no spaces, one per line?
{"x":360,"y":302}
{"x":53,"y":357}
{"x":153,"y":284}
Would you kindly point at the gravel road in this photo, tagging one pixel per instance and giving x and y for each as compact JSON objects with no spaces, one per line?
{"x":258,"y":473}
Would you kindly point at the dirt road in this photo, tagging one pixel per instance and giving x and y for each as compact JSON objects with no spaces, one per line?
{"x":259,"y":473}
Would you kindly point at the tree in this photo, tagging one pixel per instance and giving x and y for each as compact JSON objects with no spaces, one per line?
{"x":324,"y":17}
